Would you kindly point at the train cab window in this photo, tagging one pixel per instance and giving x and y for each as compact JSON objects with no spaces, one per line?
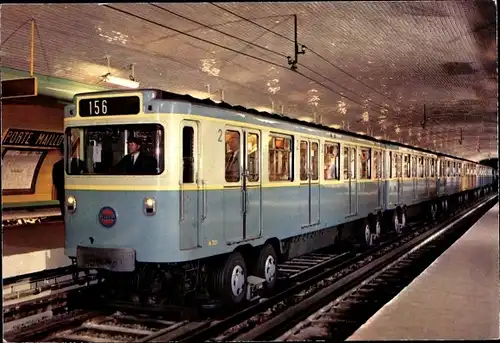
{"x":377,"y":164}
{"x":332,"y":161}
{"x":420,"y":167}
{"x":125,"y":149}
{"x":253,"y":155}
{"x":188,"y":154}
{"x":406,"y":166}
{"x":280,"y":158}
{"x":233,"y":156}
{"x":365,"y":161}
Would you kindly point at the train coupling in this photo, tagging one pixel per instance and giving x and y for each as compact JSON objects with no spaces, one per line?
{"x":255,"y":284}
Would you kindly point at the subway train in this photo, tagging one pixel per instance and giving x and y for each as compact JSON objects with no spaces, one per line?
{"x":227,"y":192}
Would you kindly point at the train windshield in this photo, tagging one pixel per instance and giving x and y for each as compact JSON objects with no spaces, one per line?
{"x":132,"y":149}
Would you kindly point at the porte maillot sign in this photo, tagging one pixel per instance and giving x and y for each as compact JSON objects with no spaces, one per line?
{"x":32,"y":138}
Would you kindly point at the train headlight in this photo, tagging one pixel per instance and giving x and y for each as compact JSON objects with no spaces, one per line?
{"x":71,"y":204}
{"x":150,"y":206}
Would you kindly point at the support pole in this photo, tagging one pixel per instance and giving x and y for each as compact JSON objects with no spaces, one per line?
{"x":32,"y":59}
{"x":293,"y":62}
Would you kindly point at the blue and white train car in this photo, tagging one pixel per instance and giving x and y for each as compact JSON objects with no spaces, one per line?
{"x":231,"y":191}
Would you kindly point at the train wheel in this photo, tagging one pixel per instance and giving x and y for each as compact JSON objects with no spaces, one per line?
{"x":267,"y":267}
{"x":396,"y":223}
{"x":230,"y":280}
{"x":432,"y":211}
{"x":376,"y":226}
{"x":365,"y":236}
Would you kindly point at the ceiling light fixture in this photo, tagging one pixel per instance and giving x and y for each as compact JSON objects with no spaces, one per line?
{"x":119,"y":81}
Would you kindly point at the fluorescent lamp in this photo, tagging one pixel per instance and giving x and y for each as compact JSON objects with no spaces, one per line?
{"x":121,"y":82}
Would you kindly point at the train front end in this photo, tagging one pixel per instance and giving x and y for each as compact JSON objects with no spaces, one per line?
{"x":114,"y":182}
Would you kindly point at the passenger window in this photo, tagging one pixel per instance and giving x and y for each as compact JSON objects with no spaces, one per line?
{"x":253,"y":153}
{"x":377,"y":164}
{"x":448,"y":168}
{"x":315,"y":161}
{"x":393,"y":159}
{"x":406,"y":166}
{"x":365,"y":160}
{"x":431,"y":161}
{"x":280,"y":159}
{"x":413,"y":166}
{"x":332,"y":161}
{"x":303,"y":161}
{"x":188,"y":154}
{"x":346,"y":163}
{"x":399,"y":171}
{"x":232,"y":156}
{"x":354,"y":169}
{"x":420,"y":167}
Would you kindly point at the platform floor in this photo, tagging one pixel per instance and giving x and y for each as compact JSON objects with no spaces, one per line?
{"x":29,"y":249}
{"x":456,"y":297}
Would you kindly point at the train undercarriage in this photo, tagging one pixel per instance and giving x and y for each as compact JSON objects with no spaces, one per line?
{"x":227,"y":277}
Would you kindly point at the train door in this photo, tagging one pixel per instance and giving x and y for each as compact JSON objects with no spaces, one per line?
{"x":399,"y":173}
{"x":426,"y":175}
{"x":378,"y":162}
{"x":189,"y":183}
{"x":252,"y":184}
{"x":242,"y":192}
{"x":309,"y":177}
{"x":350,"y":158}
{"x":414,"y":175}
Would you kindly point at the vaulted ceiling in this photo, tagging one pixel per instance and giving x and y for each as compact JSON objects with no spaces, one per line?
{"x":422,"y":73}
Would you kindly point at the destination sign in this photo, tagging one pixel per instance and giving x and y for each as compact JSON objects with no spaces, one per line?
{"x":32,"y":138}
{"x":111,"y":106}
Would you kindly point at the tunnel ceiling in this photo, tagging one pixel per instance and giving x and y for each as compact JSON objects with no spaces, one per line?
{"x":374,"y":67}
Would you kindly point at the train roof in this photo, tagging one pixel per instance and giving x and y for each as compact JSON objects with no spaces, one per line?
{"x":164,"y":95}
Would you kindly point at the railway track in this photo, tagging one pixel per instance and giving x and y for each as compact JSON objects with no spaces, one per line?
{"x":306,"y":289}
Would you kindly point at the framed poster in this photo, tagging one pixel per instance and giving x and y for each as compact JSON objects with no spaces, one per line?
{"x":20,"y":168}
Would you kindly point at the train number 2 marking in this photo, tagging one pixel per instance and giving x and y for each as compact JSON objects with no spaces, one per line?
{"x":219,"y":131}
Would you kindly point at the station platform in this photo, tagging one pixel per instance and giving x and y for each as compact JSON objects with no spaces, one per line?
{"x":456,"y":297}
{"x":33,"y":248}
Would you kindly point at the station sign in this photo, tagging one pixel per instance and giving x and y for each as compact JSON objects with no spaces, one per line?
{"x":19,"y":88}
{"x":32,"y":138}
{"x":109,"y":106}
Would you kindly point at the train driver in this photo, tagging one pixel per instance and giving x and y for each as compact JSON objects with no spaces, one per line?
{"x":137,"y":161}
{"x":233,"y":159}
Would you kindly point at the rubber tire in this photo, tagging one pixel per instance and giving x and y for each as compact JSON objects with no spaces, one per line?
{"x":393,"y":227}
{"x":266,"y":250}
{"x":222,"y":279}
{"x":361,"y":234}
{"x":373,"y":225}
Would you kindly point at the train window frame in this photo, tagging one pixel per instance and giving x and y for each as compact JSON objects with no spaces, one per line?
{"x":366,"y":162}
{"x":327,"y":158}
{"x":227,"y":140}
{"x":432,"y":168}
{"x":291,"y":157}
{"x":314,"y":160}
